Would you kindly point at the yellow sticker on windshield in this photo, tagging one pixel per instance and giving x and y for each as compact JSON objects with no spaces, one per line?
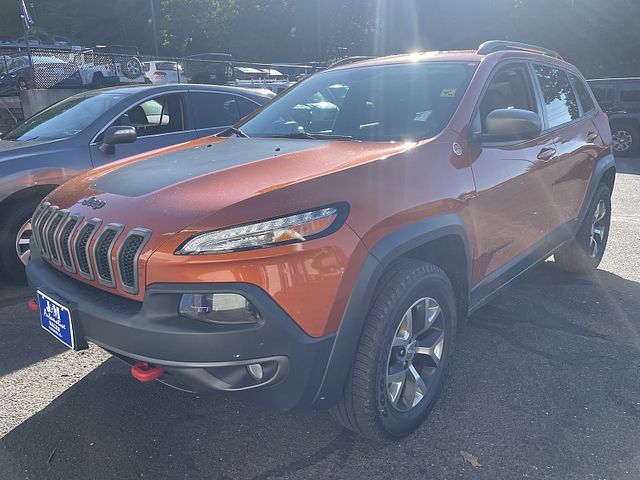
{"x":448,"y":92}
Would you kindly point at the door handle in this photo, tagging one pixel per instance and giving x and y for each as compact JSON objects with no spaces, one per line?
{"x":546,"y":154}
{"x":591,"y":137}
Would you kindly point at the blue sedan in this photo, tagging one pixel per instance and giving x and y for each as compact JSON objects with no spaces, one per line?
{"x":74,"y":135}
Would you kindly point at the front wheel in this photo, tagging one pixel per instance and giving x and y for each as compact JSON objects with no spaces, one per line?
{"x":584,"y":253}
{"x":15,"y":238}
{"x":403,"y":354}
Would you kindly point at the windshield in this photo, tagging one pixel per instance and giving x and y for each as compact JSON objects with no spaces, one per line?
{"x":404,"y":102}
{"x":66,"y":118}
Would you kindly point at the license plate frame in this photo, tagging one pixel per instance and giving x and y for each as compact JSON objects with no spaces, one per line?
{"x":57,"y":319}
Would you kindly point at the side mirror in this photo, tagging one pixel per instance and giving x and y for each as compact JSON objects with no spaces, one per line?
{"x":510,"y":124}
{"x":115,"y":136}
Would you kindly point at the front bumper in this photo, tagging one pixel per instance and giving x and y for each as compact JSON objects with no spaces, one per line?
{"x":195,"y":355}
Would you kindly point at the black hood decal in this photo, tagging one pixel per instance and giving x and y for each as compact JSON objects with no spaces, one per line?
{"x":146,"y":176}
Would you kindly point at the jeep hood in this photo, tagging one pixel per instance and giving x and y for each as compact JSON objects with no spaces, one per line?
{"x":171,"y":189}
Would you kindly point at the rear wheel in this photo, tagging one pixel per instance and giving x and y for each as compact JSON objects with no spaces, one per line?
{"x":626,"y":138}
{"x":583,"y":254}
{"x":403,"y":354}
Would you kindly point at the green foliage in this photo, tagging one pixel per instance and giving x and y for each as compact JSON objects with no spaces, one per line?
{"x":600,"y":37}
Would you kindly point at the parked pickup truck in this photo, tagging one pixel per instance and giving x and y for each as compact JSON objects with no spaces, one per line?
{"x":105,"y":68}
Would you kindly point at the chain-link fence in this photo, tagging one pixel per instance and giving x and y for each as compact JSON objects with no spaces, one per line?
{"x":94,"y":68}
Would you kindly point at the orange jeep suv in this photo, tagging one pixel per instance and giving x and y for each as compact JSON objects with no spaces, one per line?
{"x":325,"y":250}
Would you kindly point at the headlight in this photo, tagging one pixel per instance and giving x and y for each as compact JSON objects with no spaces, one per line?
{"x":279,"y":231}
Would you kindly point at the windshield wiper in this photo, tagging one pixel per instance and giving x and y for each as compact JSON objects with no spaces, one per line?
{"x":236,"y":131}
{"x":313,"y":136}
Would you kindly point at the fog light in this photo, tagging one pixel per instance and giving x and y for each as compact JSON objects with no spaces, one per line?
{"x":255,"y":370}
{"x":225,"y":308}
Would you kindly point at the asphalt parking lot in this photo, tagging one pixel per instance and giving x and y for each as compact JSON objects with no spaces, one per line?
{"x":545,"y":384}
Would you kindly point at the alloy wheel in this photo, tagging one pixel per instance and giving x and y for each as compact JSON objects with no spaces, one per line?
{"x":415,"y":354}
{"x":23,"y":241}
{"x":598,"y":229}
{"x":622,"y":140}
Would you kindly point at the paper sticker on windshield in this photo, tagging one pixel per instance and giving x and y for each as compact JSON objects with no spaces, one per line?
{"x":448,"y":92}
{"x":422,"y":116}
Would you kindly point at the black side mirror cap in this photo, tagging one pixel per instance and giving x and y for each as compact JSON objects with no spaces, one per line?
{"x":115,"y":136}
{"x":511,"y":124}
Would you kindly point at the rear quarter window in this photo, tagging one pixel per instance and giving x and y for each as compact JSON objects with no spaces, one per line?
{"x":586,"y":102}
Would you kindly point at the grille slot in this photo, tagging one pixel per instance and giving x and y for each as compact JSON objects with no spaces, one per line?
{"x":42,"y":222}
{"x":65,"y":248}
{"x":128,"y":254}
{"x":81,"y":250}
{"x":34,"y":223}
{"x":102,"y":254}
{"x":51,"y":238}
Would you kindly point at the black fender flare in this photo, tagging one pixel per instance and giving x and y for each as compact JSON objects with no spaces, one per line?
{"x":383,"y":253}
{"x":605,"y":164}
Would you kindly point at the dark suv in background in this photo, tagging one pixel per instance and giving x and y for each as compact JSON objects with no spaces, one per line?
{"x":620,"y":98}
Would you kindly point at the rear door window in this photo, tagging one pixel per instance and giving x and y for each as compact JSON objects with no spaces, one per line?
{"x":559,"y":99}
{"x":215,"y":109}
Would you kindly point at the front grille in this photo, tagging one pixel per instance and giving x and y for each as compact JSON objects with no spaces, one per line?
{"x":55,"y":234}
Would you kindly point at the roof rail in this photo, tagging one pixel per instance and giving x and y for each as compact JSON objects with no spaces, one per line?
{"x":498,"y":45}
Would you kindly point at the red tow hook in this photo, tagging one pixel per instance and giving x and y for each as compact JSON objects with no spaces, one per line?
{"x":143,"y":372}
{"x":33,"y":305}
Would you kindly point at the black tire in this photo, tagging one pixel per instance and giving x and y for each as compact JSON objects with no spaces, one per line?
{"x":131,"y":68}
{"x":367,"y":407}
{"x":12,"y":220}
{"x":630,"y":133}
{"x":578,"y":255}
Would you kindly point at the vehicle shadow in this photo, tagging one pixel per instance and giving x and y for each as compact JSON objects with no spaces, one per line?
{"x":541,"y":378}
{"x":22,"y":342}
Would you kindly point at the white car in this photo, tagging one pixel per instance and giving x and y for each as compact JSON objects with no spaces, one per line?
{"x":162,"y":71}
